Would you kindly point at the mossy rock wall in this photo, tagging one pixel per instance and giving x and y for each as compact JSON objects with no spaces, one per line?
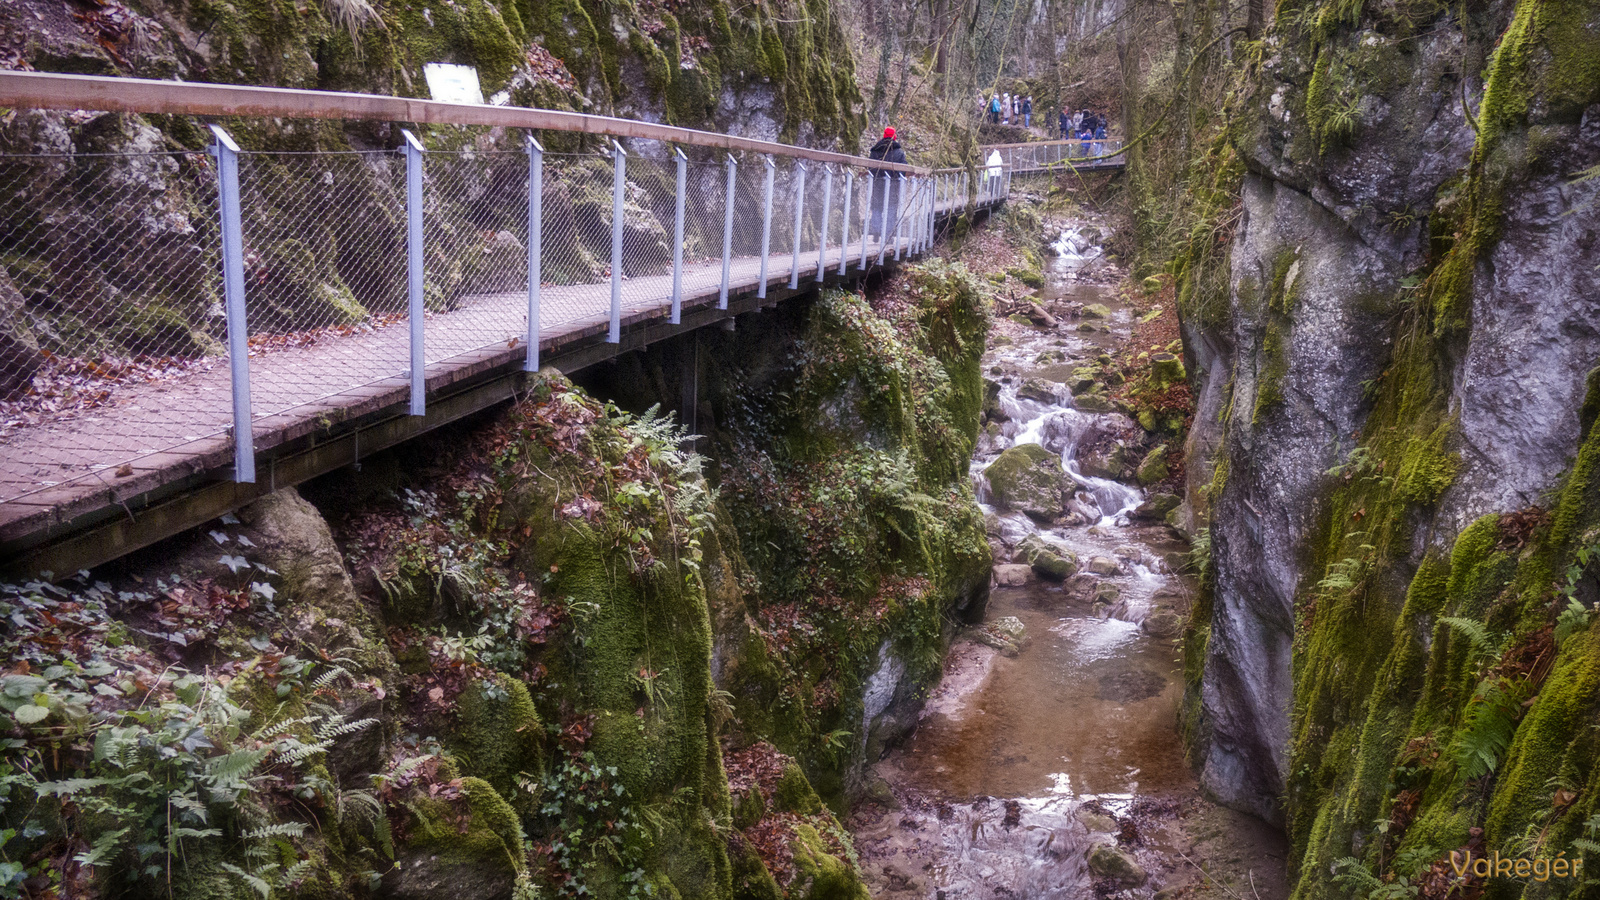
{"x":839,"y":435}
{"x":1372,"y":472}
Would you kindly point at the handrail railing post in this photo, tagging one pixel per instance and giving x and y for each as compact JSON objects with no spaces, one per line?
{"x":727,"y":232}
{"x":766,"y":226}
{"x":927,"y":212}
{"x":682,"y":160}
{"x":822,"y":231}
{"x":794,"y":257}
{"x":866,"y":227}
{"x":535,"y":247}
{"x":244,"y":443}
{"x":799,"y":222}
{"x":415,"y":277}
{"x":884,"y":224}
{"x":619,"y":181}
{"x":899,"y":211}
{"x":844,"y":222}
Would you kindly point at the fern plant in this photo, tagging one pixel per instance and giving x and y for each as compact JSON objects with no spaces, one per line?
{"x":1490,"y":724}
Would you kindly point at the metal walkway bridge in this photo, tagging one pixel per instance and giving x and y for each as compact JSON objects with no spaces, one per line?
{"x":156,"y":304}
{"x":1058,"y":157}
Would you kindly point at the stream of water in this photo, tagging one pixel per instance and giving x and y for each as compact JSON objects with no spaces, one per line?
{"x":1022,"y":765}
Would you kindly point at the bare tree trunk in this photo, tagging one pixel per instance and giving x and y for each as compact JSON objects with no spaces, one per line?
{"x":905,"y":64}
{"x":941,"y":35}
{"x":1255,"y":18}
{"x":880,"y":87}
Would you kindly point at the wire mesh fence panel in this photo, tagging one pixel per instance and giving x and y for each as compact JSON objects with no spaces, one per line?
{"x":649,"y":221}
{"x":111,"y":329}
{"x":576,"y":258}
{"x":748,"y":203}
{"x":475,"y":240}
{"x":704,"y":208}
{"x":325,"y":275}
{"x":783,"y":209}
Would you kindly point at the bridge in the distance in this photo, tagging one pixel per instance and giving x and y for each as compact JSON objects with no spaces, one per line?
{"x":157,"y":303}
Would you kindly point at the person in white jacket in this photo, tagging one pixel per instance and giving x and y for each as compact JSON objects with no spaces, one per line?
{"x":993,"y":167}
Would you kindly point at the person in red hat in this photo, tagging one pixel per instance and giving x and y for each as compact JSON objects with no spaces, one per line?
{"x":886,"y":193}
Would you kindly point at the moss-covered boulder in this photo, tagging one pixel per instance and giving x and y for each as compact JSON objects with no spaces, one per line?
{"x":467,"y":843}
{"x":1038,"y":390}
{"x":1027,"y":478}
{"x":1117,"y":865}
{"x":1093,"y":403}
{"x":1047,"y":558}
{"x":1154,"y":467}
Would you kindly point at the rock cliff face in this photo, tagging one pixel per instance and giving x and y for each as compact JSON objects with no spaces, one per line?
{"x":1401,"y":348}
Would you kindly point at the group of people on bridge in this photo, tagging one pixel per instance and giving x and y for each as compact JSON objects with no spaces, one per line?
{"x":1007,"y":109}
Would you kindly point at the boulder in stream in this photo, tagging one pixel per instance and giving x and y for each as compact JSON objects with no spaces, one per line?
{"x":1027,"y":478}
{"x":1110,"y":862}
{"x":1039,"y":390}
{"x":1155,"y":507}
{"x":1163,"y":623}
{"x":1094,"y":403}
{"x":1104,"y":565}
{"x":1049,"y":559}
{"x":1154,"y":468}
{"x":1012,"y":574}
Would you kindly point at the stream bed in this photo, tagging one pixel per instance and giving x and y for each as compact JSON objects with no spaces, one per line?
{"x":1047,"y":763}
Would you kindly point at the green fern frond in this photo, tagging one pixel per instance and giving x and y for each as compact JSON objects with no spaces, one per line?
{"x":279,"y":829}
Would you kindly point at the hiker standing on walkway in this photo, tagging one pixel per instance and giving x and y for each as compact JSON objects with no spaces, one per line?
{"x":884,"y":206}
{"x":1066,"y":124}
{"x":994,"y":110}
{"x":1027,"y":111}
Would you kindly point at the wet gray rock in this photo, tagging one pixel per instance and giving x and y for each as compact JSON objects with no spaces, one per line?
{"x":1163,"y":623}
{"x":1049,"y":559}
{"x":1155,"y":507}
{"x":1027,"y":478}
{"x":1111,"y":862}
{"x":1012,"y":574}
{"x":1104,"y":565}
{"x":1038,"y":390}
{"x":1094,"y":403}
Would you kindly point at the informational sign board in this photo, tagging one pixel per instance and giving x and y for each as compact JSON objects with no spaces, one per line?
{"x":450,"y":83}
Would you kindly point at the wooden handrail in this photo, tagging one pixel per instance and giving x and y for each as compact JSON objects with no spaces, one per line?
{"x":44,"y":90}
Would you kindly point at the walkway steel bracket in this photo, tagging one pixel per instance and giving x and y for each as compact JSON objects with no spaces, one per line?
{"x":727,"y":231}
{"x":415,"y":277}
{"x":244,"y":444}
{"x":619,"y":181}
{"x":535,"y":247}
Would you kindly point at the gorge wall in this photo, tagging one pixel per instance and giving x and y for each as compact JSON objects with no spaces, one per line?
{"x":1395,"y":360}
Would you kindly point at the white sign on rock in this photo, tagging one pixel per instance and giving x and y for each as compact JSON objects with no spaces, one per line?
{"x":450,"y":83}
